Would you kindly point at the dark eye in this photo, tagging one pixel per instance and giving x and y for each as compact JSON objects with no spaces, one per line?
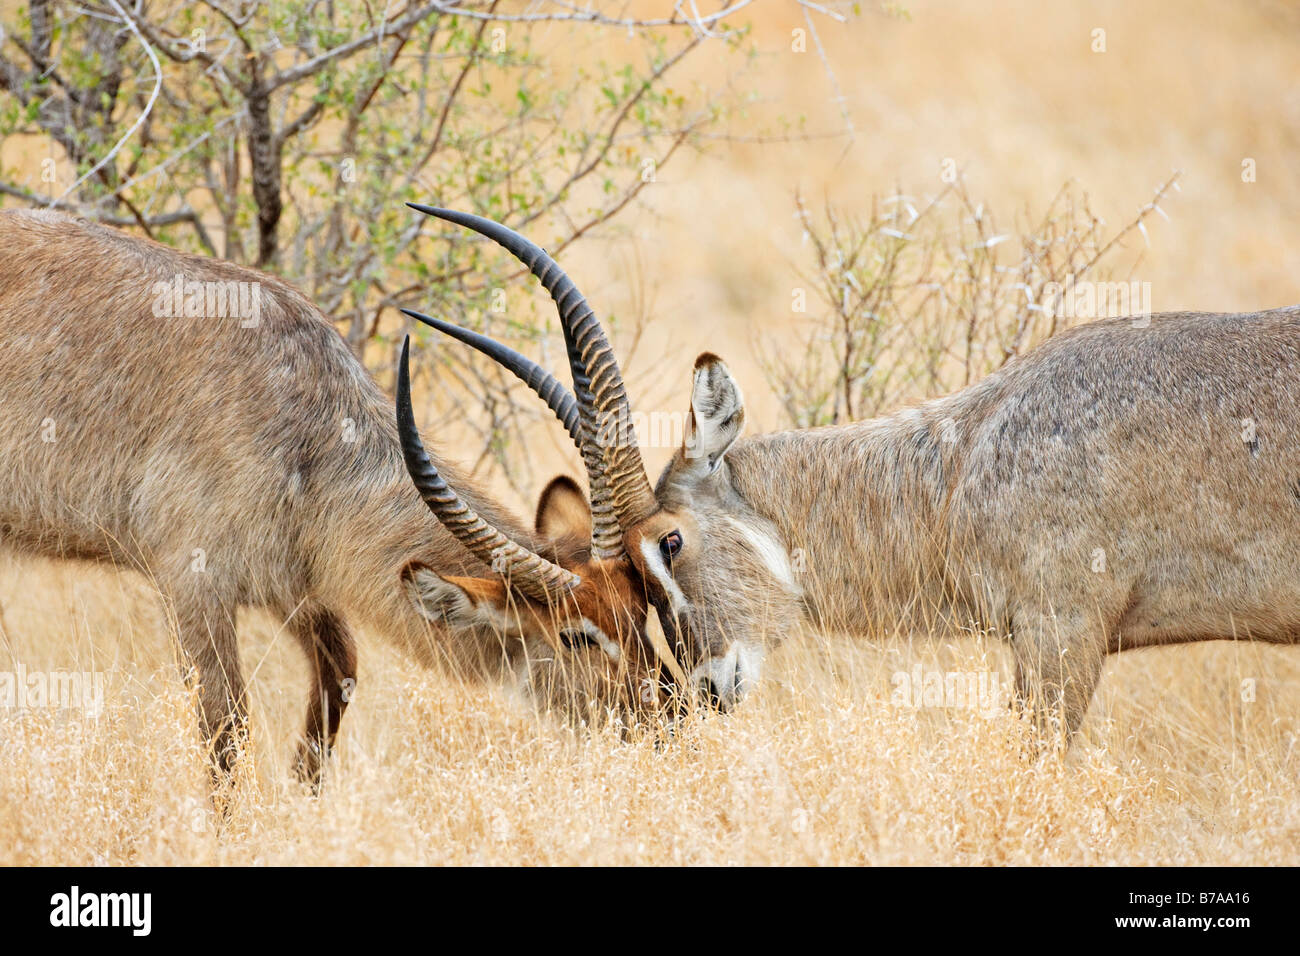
{"x":573,"y":638}
{"x":670,"y":545}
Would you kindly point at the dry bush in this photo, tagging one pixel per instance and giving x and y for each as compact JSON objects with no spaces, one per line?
{"x":918,"y":299}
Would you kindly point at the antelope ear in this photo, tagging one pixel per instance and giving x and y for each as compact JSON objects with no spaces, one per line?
{"x":454,"y":602}
{"x":717,"y":415}
{"x":562,"y":510}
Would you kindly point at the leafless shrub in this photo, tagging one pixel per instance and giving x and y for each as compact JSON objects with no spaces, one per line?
{"x":918,"y":299}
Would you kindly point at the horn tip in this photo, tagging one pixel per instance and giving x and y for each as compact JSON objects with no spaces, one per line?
{"x":436,"y":211}
{"x":426,"y":319}
{"x":404,"y":373}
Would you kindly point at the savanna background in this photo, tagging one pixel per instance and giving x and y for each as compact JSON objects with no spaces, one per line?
{"x":855,"y":205}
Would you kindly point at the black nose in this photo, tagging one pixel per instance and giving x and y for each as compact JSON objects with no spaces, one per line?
{"x":712,"y":694}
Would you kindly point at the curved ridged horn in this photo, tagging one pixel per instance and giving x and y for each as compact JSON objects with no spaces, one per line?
{"x":606,"y":538}
{"x":597,"y":381}
{"x":525,"y":570}
{"x":558,"y":398}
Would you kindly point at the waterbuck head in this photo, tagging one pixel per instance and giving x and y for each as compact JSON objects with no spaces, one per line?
{"x":582,"y":603}
{"x":715,"y":572}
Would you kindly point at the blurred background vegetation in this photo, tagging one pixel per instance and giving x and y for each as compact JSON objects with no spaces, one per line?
{"x":858,"y":205}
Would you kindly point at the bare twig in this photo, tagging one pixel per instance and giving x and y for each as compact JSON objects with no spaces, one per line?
{"x":148,"y":107}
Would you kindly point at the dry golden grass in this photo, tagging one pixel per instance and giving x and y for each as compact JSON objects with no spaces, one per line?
{"x":820,"y":766}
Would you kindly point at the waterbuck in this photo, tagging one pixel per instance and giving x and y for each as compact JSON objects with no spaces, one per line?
{"x":1129,"y":483}
{"x":243,"y":457}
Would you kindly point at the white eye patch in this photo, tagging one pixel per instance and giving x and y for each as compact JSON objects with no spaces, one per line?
{"x":654,"y":563}
{"x":770,"y":551}
{"x":599,"y":638}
